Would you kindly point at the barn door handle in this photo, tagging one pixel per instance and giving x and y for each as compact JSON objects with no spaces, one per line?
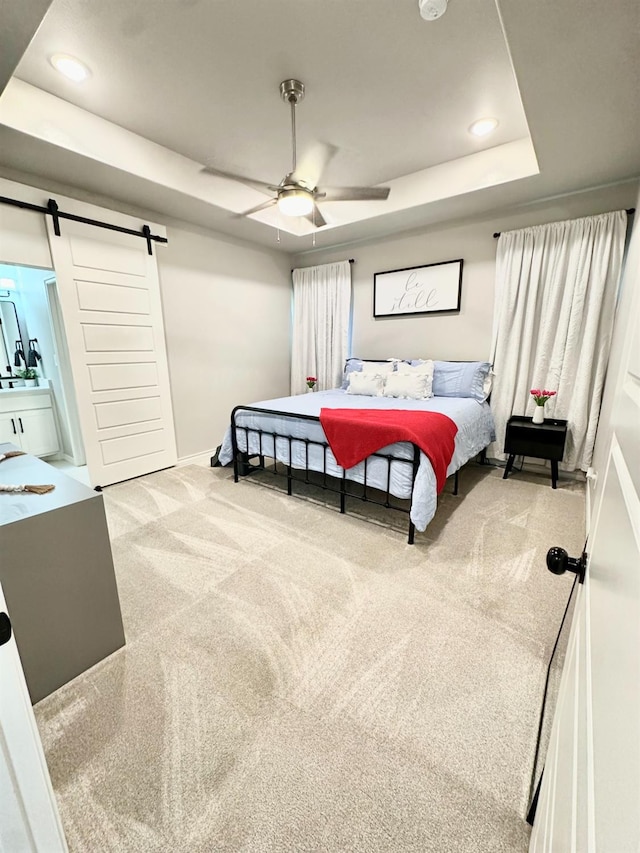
{"x":558,"y":562}
{"x":5,"y":629}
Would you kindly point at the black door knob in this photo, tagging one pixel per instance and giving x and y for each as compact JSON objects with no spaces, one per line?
{"x":559,"y":562}
{"x":5,"y":629}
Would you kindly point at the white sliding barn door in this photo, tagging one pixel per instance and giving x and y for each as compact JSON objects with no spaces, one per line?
{"x":590,"y":793}
{"x":109,"y":296}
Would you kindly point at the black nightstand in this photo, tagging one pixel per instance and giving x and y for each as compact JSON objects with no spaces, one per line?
{"x":542,"y":441}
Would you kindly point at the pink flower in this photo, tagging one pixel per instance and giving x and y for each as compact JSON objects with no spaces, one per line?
{"x":541,"y":396}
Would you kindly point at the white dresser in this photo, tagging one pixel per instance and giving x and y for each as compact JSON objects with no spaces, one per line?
{"x":27,"y":420}
{"x":57,"y":574}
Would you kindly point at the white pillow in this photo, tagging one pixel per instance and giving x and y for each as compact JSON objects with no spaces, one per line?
{"x":421,"y":367}
{"x":366,"y":384}
{"x":424,"y":368}
{"x":377,"y":367}
{"x":408,"y":386}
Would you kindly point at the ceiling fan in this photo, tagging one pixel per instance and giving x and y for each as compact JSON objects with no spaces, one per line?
{"x":297,"y":193}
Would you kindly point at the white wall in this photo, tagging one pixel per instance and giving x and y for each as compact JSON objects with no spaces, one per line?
{"x":466,"y":335}
{"x":226,"y":307}
{"x":227,"y":310}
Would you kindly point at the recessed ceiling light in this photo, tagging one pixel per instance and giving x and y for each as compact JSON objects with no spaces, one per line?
{"x":483,"y":126}
{"x":70,"y":67}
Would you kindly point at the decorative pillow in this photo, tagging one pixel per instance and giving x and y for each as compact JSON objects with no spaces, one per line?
{"x":408,"y":386}
{"x":357,"y":365}
{"x":461,"y":379}
{"x":418,"y":368}
{"x":366,"y":384}
{"x":379,"y":367}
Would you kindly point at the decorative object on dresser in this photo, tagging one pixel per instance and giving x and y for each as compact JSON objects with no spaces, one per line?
{"x":540,"y":396}
{"x":311,"y":383}
{"x":524,"y":437}
{"x":428,"y":289}
{"x":7,"y":488}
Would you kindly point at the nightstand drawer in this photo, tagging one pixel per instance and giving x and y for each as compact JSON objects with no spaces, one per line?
{"x":541,"y":449}
{"x":543,"y":441}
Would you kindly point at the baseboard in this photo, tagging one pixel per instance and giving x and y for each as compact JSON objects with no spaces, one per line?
{"x":203,"y":459}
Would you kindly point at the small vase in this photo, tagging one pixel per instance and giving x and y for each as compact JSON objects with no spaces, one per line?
{"x":538,"y":414}
{"x":310,"y":390}
{"x":30,"y":383}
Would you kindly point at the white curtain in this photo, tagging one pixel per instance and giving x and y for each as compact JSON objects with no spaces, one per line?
{"x":556,"y":288}
{"x":321,"y":305}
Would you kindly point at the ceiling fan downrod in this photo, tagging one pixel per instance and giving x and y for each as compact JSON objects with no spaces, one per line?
{"x":292,"y":92}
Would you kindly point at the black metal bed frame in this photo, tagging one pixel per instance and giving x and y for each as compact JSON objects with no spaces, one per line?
{"x":243,"y":464}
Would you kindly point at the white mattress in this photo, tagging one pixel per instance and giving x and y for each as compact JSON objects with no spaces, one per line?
{"x":473,"y":419}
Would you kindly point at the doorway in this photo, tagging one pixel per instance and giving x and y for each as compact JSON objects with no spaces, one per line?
{"x":35,"y":374}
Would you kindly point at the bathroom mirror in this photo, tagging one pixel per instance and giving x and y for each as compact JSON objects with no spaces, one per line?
{"x":10,"y":334}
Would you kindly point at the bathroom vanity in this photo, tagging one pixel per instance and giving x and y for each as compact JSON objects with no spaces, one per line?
{"x":56,"y":570}
{"x":27,"y":420}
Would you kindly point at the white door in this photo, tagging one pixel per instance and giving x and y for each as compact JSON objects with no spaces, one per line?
{"x":590,"y":793}
{"x":110,"y":301}
{"x":29,"y":819}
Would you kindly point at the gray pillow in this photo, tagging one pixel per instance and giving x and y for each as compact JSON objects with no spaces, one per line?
{"x":461,"y":379}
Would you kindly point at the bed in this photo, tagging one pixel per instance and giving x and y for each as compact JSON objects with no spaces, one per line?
{"x":288,"y":431}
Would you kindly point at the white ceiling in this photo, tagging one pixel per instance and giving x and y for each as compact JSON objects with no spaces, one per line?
{"x":392,"y":94}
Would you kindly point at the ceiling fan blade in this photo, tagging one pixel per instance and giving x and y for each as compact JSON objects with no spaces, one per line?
{"x":258,"y":207}
{"x":315,"y":217}
{"x":261,"y":186}
{"x":311,"y":166}
{"x":353,"y":193}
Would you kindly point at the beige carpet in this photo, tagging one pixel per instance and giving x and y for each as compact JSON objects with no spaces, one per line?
{"x":296,"y":680}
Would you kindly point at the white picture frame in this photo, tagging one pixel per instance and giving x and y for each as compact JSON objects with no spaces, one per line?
{"x":427,"y":289}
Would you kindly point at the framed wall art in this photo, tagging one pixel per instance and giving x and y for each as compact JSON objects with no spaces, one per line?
{"x":429,"y":289}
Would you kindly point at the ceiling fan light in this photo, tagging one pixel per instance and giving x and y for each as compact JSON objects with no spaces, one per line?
{"x":431,"y":10}
{"x":295,"y":202}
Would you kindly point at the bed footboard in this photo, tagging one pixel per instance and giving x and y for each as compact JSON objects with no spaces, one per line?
{"x":312,"y":457}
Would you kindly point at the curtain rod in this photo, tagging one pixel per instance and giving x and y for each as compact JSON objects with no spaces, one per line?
{"x":52,"y":210}
{"x":351,"y":261}
{"x":629,"y":211}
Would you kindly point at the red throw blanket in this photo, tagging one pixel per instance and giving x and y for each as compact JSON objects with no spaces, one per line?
{"x":354,"y":434}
